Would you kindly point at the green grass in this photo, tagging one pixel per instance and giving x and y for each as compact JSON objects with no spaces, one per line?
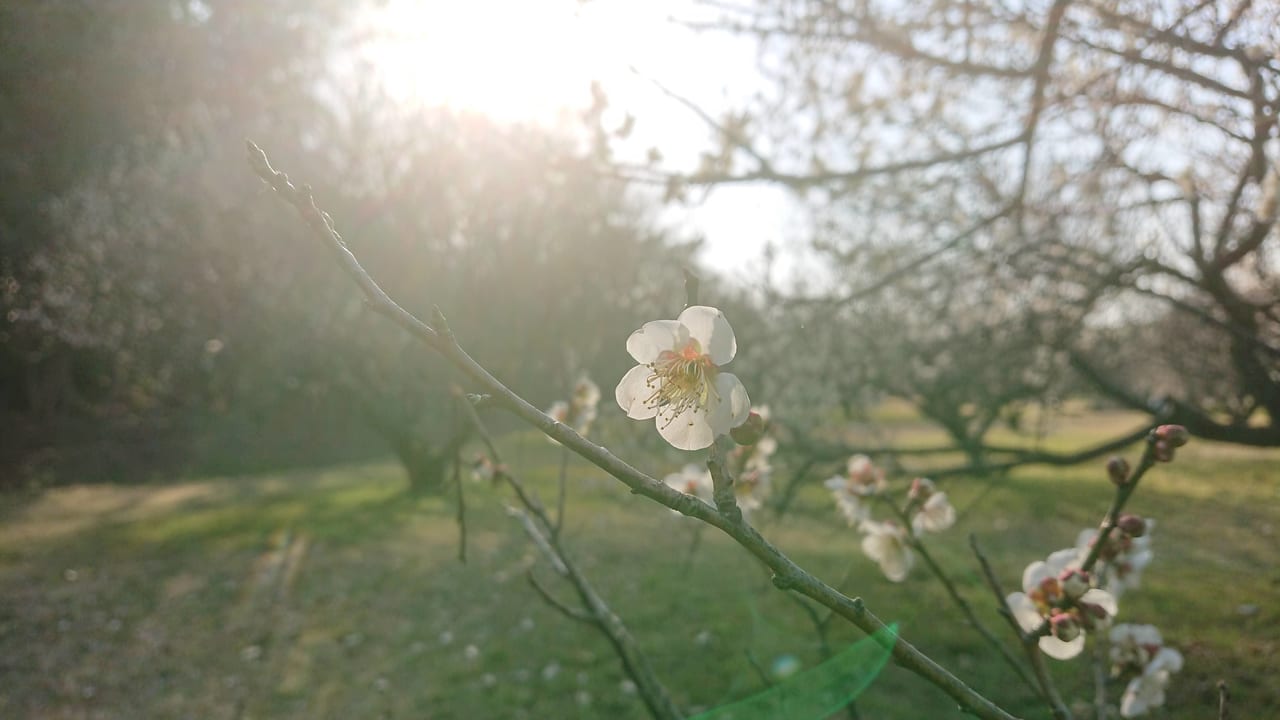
{"x":333,"y":594}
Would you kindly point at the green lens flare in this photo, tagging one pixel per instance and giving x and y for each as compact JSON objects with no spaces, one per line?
{"x":817,"y":693}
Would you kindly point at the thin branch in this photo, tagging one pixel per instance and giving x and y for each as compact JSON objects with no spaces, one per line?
{"x":1048,"y":691}
{"x":787,"y":574}
{"x":1223,"y":699}
{"x":457,"y":481}
{"x":571,"y":613}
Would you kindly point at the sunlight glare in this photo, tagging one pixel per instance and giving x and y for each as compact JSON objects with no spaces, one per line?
{"x":511,"y":59}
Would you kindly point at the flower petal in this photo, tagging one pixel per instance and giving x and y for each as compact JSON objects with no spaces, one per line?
{"x":731,"y":407}
{"x":1060,"y":560}
{"x":1102,"y":599}
{"x":646,"y":343}
{"x":709,"y":327}
{"x":1024,"y":611}
{"x":687,"y":431}
{"x":632,"y":392}
{"x":1034,"y":574}
{"x":1060,"y":650}
{"x":1167,"y":659}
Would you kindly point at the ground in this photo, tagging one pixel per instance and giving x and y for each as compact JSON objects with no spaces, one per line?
{"x":336,"y":595}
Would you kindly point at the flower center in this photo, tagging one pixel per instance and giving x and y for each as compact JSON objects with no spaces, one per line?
{"x":683,"y":378}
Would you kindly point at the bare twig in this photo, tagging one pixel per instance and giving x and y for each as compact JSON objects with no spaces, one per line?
{"x":1223,"y":698}
{"x":954,"y":593}
{"x":787,"y":574}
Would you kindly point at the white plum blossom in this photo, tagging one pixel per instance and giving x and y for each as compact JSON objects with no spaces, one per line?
{"x":887,"y":543}
{"x":1147,"y":689}
{"x":678,"y":379}
{"x":751,"y":470}
{"x":580,"y":411}
{"x":1056,"y":591}
{"x":861,"y":480}
{"x":692,"y":480}
{"x":1123,"y":559}
{"x":1133,"y":647}
{"x":934,"y":512}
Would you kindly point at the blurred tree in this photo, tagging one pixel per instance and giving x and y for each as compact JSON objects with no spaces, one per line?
{"x":149,"y":280}
{"x":1003,"y":187}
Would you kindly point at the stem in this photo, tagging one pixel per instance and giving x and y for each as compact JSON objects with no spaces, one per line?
{"x":1123,"y":492}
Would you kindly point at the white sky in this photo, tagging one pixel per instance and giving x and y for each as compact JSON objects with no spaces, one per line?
{"x":536,"y":59}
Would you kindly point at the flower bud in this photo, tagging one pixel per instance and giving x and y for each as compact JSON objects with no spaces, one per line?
{"x":1175,"y":435}
{"x":750,"y":431}
{"x":1092,"y":616}
{"x":1132,"y":525}
{"x":1162,"y":451}
{"x":921,"y":490}
{"x":1118,"y":470}
{"x":1075,"y":583}
{"x":1064,"y":626}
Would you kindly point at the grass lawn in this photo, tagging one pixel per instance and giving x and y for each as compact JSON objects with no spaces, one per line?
{"x":334,"y":595}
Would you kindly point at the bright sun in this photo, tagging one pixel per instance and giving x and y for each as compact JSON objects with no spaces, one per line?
{"x":513,"y":59}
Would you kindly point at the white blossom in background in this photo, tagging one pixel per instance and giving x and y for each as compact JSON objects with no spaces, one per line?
{"x":887,"y":544}
{"x":678,"y":379}
{"x":1054,"y":590}
{"x":934,"y":512}
{"x":692,"y":480}
{"x":751,"y":469}
{"x":1123,"y":559}
{"x":482,"y":469}
{"x":1138,"y":651}
{"x":861,"y":480}
{"x":580,"y":411}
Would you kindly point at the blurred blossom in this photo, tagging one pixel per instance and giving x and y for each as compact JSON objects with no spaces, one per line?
{"x":692,"y":480}
{"x":1123,"y":558}
{"x":934,"y":512}
{"x":679,"y":382}
{"x":861,"y":480}
{"x":580,"y":411}
{"x":1138,"y":652}
{"x":886,"y":543}
{"x":1070,"y":614}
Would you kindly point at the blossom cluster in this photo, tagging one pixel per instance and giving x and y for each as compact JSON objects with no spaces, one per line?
{"x":749,"y":465}
{"x":580,"y":410}
{"x":1058,"y":601}
{"x":1139,"y":654}
{"x":888,"y":542}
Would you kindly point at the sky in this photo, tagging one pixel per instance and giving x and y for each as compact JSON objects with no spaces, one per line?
{"x":535,"y":60}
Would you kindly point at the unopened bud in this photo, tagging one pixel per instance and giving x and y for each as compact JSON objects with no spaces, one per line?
{"x":1175,"y":435}
{"x":750,"y":431}
{"x":1064,"y":626}
{"x":1132,"y":525}
{"x":1118,"y":470}
{"x":921,"y":490}
{"x":1092,"y":616}
{"x":1075,"y":583}
{"x":1162,"y":451}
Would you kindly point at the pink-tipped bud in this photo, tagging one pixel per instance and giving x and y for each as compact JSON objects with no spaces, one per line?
{"x":1162,"y":451}
{"x":1064,"y":626}
{"x":1132,"y":525}
{"x":750,"y":431}
{"x":1092,"y":616}
{"x":921,"y":489}
{"x":1175,"y":435}
{"x":1118,"y":470}
{"x":1075,"y":583}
